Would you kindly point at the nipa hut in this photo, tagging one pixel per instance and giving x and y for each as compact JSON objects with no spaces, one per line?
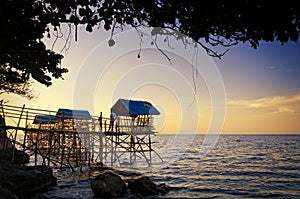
{"x":134,"y":116}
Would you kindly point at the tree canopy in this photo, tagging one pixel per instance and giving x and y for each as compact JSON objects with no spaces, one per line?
{"x":24,"y":56}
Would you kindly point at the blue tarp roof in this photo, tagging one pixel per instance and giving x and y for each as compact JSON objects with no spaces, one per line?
{"x":73,"y":114}
{"x":45,"y":119}
{"x":125,"y":107}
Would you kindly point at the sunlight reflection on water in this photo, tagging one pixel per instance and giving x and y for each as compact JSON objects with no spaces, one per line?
{"x":238,"y":167}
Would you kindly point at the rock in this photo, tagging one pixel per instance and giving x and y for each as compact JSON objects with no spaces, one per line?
{"x":143,"y":186}
{"x":108,"y":184}
{"x":100,"y":167}
{"x":25,"y":180}
{"x":163,"y":188}
{"x":20,"y":181}
{"x":20,"y":157}
{"x":7,"y":194}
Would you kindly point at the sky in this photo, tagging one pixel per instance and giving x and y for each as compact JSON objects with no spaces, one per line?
{"x":248,"y":91}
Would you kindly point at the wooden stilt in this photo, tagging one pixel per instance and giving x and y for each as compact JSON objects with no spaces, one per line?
{"x":76,"y":142}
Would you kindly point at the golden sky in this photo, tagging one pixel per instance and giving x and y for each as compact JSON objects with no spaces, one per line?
{"x":247,"y":91}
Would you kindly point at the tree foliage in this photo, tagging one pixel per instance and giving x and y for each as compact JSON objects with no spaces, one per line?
{"x":23,"y":55}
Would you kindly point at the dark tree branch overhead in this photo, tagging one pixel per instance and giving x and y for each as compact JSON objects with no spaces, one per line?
{"x":24,"y":56}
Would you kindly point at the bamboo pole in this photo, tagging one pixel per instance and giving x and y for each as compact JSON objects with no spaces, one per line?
{"x":25,"y":132}
{"x":62,"y":142}
{"x":3,"y":134}
{"x":150,"y":148}
{"x":51,"y":134}
{"x":15,"y":138}
{"x":100,"y":121}
{"x":36,"y":146}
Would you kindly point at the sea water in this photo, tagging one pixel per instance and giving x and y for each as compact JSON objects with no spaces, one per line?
{"x":234,"y":166}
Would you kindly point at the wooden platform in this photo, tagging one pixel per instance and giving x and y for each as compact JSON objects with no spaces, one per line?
{"x":77,"y":141}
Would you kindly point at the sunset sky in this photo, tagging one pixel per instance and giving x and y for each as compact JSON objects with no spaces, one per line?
{"x":249,"y":91}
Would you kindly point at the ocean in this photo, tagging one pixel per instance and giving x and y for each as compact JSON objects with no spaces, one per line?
{"x":233,"y":166}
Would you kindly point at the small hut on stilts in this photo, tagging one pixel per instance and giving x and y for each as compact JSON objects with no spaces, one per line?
{"x":135,"y":119}
{"x":73,"y":138}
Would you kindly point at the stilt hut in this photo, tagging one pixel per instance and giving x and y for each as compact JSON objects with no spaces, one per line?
{"x":135,"y":119}
{"x":73,"y":137}
{"x":41,"y":138}
{"x":80,"y":124}
{"x":65,"y":135}
{"x":74,"y":119}
{"x":45,"y":121}
{"x":134,"y":116}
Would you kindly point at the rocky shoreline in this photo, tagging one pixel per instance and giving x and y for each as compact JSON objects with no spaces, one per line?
{"x":24,"y":181}
{"x":18,"y":181}
{"x":110,"y":183}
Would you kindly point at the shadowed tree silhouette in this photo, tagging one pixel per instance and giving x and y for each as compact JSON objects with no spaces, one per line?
{"x":24,"y":56}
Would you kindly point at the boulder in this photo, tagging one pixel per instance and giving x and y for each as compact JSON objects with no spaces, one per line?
{"x":7,"y":194}
{"x":143,"y":186}
{"x":24,"y":180}
{"x":20,"y":157}
{"x":20,"y":181}
{"x":107,"y":185}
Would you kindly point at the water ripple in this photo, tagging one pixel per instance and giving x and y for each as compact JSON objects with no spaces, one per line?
{"x":239,"y":166}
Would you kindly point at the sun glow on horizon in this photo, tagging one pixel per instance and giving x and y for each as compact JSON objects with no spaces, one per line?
{"x":263,"y":94}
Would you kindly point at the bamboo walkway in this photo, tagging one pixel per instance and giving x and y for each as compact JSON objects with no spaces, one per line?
{"x":62,"y":140}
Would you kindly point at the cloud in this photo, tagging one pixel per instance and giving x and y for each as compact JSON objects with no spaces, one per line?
{"x":271,"y":105}
{"x":272,"y":68}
